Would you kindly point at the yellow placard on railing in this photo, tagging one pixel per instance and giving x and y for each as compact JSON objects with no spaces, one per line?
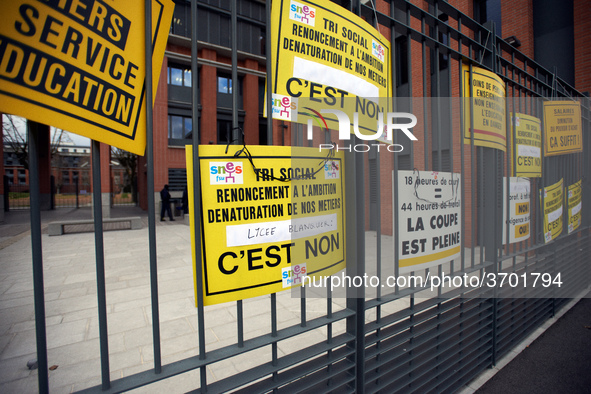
{"x":562,"y":128}
{"x":574,"y":206}
{"x":80,"y":66}
{"x":526,"y":146}
{"x":552,"y":202}
{"x":484,"y":96}
{"x":323,"y":52}
{"x":262,"y":232}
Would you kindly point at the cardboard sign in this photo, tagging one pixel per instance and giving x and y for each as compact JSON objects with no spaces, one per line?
{"x":486,"y":93}
{"x":263,"y":231}
{"x":80,"y":65}
{"x":563,"y":127}
{"x":429,"y":219}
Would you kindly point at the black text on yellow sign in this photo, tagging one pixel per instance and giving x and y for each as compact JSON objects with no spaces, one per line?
{"x":526,"y":146}
{"x":77,"y":65}
{"x":552,"y":203}
{"x":574,"y":206}
{"x":264,"y":232}
{"x":330,"y":55}
{"x":484,"y":98}
{"x":562,"y":127}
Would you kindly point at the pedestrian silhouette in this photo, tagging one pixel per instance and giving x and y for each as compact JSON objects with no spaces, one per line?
{"x":165,"y":197}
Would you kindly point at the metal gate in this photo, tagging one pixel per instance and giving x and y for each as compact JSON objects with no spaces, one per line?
{"x":405,"y":341}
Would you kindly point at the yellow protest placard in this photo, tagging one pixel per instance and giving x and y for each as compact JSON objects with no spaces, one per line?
{"x":324,"y":52}
{"x":562,"y":127}
{"x":574,"y":206}
{"x":526,"y":146}
{"x":552,"y":201}
{"x":264,"y":231}
{"x":80,"y":65}
{"x":486,"y":93}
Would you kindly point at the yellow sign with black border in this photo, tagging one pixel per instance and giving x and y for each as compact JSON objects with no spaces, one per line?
{"x":484,"y":97}
{"x":562,"y":127}
{"x":79,"y":65}
{"x":263,"y":231}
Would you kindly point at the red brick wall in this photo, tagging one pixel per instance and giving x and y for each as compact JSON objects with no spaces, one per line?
{"x":582,"y":22}
{"x":518,"y":20}
{"x":208,"y":86}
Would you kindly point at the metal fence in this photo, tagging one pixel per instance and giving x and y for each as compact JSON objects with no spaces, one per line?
{"x":403,"y":341}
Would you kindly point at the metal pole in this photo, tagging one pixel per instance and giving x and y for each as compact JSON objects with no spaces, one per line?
{"x":196,"y":214}
{"x":269,"y":74}
{"x":100,"y":263}
{"x":151,"y":199}
{"x":38,"y":289}
{"x":236,"y":134}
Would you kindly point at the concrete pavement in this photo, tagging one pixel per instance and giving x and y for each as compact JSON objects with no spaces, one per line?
{"x":71,"y":307}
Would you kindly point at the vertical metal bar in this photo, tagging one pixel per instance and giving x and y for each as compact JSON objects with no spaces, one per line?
{"x":274,"y":333}
{"x":425,"y":102}
{"x":355,"y":238}
{"x":196,"y":214}
{"x":268,"y":65}
{"x":472,"y":173}
{"x":240,"y":323}
{"x":37,"y":254}
{"x":462,"y":154}
{"x":151,"y":188}
{"x":100,"y":263}
{"x":236,"y":134}
{"x":437,"y":125}
{"x":302,"y":306}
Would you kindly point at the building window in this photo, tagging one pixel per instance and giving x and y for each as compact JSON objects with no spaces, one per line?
{"x":179,"y":76}
{"x":225,"y":131}
{"x":22,"y":177}
{"x":10,"y":176}
{"x":224,"y":85}
{"x":401,"y":47}
{"x":180,"y":127}
{"x":8,"y":159}
{"x":66,"y":177}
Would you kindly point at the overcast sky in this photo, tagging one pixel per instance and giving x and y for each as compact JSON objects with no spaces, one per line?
{"x":76,"y":139}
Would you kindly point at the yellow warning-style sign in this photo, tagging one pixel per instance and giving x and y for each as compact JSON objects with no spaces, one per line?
{"x":484,"y":97}
{"x":574,"y":206}
{"x":562,"y":127}
{"x":80,"y":66}
{"x":526,"y":146}
{"x":266,"y":228}
{"x":335,"y":59}
{"x":552,"y":203}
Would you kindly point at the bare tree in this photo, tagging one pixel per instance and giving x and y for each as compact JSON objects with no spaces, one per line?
{"x":128,"y":161}
{"x":14,"y":136}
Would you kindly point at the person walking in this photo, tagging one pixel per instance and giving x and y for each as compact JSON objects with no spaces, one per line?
{"x":165,"y":197}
